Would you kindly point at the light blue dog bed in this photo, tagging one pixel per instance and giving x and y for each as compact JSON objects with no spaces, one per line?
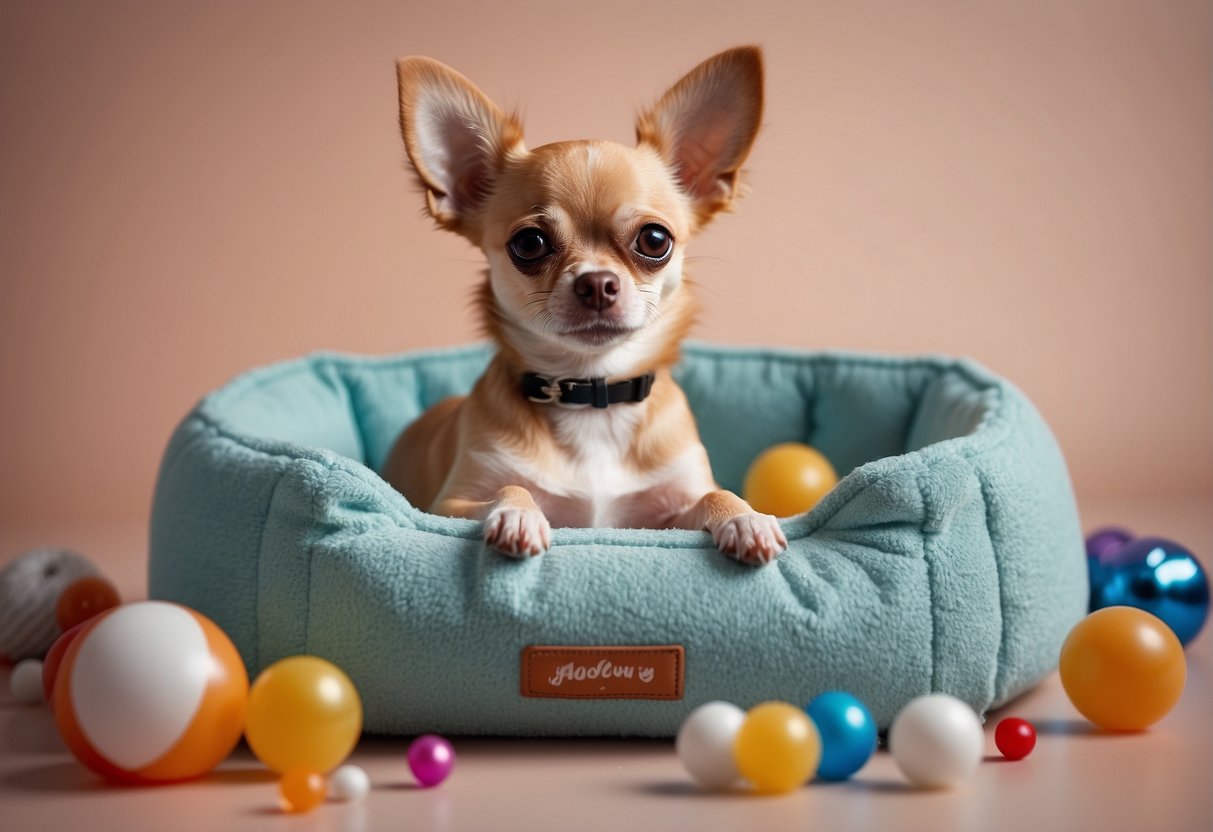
{"x":949,"y":557}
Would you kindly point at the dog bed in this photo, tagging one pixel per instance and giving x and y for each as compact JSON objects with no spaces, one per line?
{"x":948,"y":558}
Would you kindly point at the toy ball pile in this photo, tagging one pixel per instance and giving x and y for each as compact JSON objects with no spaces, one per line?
{"x":936,"y":740}
{"x":154,"y":692}
{"x":776,"y":746}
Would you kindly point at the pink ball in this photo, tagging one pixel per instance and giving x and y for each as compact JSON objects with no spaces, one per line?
{"x":431,"y":759}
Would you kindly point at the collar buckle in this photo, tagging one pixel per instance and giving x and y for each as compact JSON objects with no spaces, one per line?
{"x":553,"y":390}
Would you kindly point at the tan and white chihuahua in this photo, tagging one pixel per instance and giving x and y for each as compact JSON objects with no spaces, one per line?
{"x":577,"y":420}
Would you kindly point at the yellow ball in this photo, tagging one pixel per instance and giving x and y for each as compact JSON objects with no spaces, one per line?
{"x":303,"y":711}
{"x":777,"y":747}
{"x":788,"y":479}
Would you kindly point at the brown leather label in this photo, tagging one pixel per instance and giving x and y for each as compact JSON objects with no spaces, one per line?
{"x":567,"y":672}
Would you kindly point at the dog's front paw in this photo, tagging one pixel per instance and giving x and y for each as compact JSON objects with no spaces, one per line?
{"x":518,"y":532}
{"x":750,"y":538}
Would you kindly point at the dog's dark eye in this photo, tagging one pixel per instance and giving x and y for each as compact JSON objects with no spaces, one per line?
{"x":529,"y":246}
{"x":654,"y":242}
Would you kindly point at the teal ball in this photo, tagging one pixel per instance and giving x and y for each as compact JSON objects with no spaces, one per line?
{"x":848,"y":733}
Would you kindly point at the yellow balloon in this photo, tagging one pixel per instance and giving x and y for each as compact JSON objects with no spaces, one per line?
{"x":777,"y":748}
{"x":788,"y":479}
{"x":303,"y":711}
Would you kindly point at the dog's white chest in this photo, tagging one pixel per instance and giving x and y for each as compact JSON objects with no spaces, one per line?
{"x":596,"y":483}
{"x":597,"y":471}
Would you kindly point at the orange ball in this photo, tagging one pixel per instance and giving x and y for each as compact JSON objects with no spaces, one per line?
{"x":84,"y":598}
{"x":1123,"y":668}
{"x":788,"y":479}
{"x":301,"y":789}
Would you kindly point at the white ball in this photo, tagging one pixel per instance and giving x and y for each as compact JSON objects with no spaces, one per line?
{"x":936,"y":740}
{"x":26,"y":682}
{"x":349,"y":784}
{"x":705,"y":744}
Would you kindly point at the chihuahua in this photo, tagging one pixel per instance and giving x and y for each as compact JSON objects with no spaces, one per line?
{"x":577,"y":420}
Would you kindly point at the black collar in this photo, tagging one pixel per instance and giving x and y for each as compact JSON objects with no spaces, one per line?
{"x":583,"y":391}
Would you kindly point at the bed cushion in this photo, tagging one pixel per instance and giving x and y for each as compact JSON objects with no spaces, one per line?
{"x":948,"y":558}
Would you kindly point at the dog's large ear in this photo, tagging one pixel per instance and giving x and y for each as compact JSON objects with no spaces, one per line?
{"x":455,"y":137}
{"x":705,"y":124}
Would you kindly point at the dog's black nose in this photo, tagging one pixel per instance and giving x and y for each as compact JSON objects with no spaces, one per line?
{"x":597,"y":290}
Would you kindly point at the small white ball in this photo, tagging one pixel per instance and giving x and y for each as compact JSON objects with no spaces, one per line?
{"x":26,"y":682}
{"x":705,"y":744}
{"x":936,"y":740}
{"x":349,"y":784}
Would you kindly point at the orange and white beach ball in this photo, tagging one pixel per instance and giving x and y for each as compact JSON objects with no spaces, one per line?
{"x":151,"y":692}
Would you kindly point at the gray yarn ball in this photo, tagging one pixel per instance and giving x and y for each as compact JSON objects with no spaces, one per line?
{"x":30,"y":587}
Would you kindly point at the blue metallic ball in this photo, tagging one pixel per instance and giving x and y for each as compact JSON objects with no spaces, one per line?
{"x":1155,"y":575}
{"x":1099,"y":574}
{"x":848,"y":734}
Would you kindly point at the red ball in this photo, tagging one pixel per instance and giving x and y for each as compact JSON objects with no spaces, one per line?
{"x":84,"y":598}
{"x":1015,"y":738}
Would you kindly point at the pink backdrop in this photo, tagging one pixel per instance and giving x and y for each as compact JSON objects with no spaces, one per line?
{"x":191,"y":189}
